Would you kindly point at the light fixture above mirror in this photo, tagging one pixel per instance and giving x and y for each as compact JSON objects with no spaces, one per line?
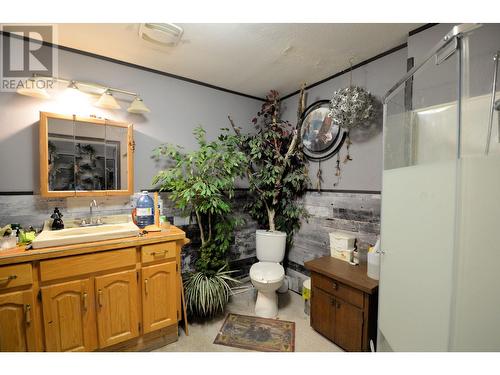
{"x":106,"y":100}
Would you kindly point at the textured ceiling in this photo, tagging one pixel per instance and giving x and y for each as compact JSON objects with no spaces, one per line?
{"x":248,"y":58}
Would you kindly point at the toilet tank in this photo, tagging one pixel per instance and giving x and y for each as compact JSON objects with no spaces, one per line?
{"x":270,"y":246}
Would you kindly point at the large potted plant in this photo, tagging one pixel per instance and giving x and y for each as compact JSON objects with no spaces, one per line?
{"x":202,"y":182}
{"x":276,"y":172}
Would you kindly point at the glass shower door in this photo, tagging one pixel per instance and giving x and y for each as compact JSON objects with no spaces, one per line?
{"x":421,"y":148}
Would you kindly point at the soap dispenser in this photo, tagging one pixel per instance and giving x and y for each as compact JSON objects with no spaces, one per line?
{"x":57,"y":223}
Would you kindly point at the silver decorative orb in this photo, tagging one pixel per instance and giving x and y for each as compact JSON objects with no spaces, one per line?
{"x":351,"y":107}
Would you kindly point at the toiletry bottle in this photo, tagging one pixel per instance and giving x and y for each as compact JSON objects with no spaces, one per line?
{"x":57,"y":223}
{"x":15,"y":231}
{"x":13,"y":234}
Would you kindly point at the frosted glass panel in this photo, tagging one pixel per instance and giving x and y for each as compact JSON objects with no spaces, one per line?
{"x":417,"y":237}
{"x":477,"y":307}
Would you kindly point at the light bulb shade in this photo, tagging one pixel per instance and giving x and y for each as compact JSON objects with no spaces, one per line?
{"x":34,"y":88}
{"x":138,"y":106}
{"x":33,"y":92}
{"x":107,"y":101}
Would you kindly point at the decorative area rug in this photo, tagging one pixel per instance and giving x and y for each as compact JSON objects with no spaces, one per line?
{"x":260,"y":334}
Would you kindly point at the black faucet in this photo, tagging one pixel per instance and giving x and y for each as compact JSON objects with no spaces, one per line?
{"x":57,"y":216}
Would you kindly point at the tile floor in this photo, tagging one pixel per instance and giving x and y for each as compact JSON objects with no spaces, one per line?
{"x":291,"y":307}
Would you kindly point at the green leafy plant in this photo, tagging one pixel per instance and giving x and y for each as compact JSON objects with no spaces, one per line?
{"x":276,"y":167}
{"x":202,"y":181}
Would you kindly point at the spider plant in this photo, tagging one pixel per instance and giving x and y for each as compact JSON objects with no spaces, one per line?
{"x":206,"y":295}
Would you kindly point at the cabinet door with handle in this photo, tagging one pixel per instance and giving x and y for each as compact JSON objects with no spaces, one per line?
{"x":348,"y":326}
{"x":117,"y":307}
{"x":17,"y":331}
{"x":159,"y":296}
{"x":323,"y":313}
{"x":69,"y":316}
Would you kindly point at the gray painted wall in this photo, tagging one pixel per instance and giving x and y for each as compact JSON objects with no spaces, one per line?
{"x":364,"y":172}
{"x":177,"y":107}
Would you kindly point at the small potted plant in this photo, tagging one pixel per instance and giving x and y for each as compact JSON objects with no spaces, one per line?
{"x":202,"y":181}
{"x":276,"y":172}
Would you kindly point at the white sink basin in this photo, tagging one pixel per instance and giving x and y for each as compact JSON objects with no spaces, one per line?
{"x":70,"y":236}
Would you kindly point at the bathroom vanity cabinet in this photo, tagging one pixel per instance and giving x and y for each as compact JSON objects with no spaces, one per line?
{"x":109,"y":295}
{"x":343,"y":303}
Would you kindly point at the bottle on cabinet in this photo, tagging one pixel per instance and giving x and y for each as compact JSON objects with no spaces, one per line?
{"x":145,"y":210}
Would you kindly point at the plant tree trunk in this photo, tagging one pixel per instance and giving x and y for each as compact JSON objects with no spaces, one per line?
{"x":209,"y":227}
{"x":200,"y":226}
{"x":270,"y":215}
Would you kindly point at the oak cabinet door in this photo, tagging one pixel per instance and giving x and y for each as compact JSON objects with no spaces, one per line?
{"x":348,"y":326}
{"x":17,"y":332}
{"x":69,"y":316}
{"x":117,"y":307}
{"x":323,"y":313}
{"x":159,"y":296}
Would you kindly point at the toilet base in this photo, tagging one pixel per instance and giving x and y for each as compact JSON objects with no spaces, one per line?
{"x":266,"y":305}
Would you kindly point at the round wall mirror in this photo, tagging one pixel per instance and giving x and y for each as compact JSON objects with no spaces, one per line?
{"x":320,"y":137}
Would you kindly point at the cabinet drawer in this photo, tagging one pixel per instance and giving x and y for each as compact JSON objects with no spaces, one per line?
{"x":343,"y":291}
{"x":85,"y":264}
{"x":165,"y":250}
{"x":16,"y":275}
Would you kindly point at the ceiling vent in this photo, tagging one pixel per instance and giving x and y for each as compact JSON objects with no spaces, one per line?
{"x":163,"y":34}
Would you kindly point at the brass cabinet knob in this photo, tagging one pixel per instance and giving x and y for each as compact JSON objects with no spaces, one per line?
{"x":99,"y":297}
{"x":84,"y":301}
{"x":27,"y":313}
{"x":159,"y":253}
{"x":8,"y":278}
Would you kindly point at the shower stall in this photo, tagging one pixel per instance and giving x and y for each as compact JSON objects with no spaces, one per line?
{"x":440,"y":232}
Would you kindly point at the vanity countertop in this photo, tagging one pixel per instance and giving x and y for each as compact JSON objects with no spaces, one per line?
{"x":342,"y":271}
{"x":20,"y":254}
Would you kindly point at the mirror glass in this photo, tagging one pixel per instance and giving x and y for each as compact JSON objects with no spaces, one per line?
{"x":321,"y":138}
{"x":117,"y":157}
{"x":90,"y":156}
{"x":86,"y":156}
{"x":61,"y":155}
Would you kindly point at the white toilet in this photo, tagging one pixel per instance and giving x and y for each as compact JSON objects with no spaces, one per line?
{"x":268,"y":274}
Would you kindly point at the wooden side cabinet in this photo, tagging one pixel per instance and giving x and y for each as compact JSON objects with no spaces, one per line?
{"x":343,"y":303}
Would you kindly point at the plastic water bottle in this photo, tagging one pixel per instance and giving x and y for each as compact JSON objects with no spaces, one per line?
{"x":145,"y":210}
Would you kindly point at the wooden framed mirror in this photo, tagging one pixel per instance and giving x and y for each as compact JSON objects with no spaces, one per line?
{"x":85,"y":156}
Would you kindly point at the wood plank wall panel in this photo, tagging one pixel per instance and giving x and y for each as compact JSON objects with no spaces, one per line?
{"x":356,"y":213}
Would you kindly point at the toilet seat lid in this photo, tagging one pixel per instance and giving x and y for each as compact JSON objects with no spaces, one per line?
{"x":267,"y":272}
